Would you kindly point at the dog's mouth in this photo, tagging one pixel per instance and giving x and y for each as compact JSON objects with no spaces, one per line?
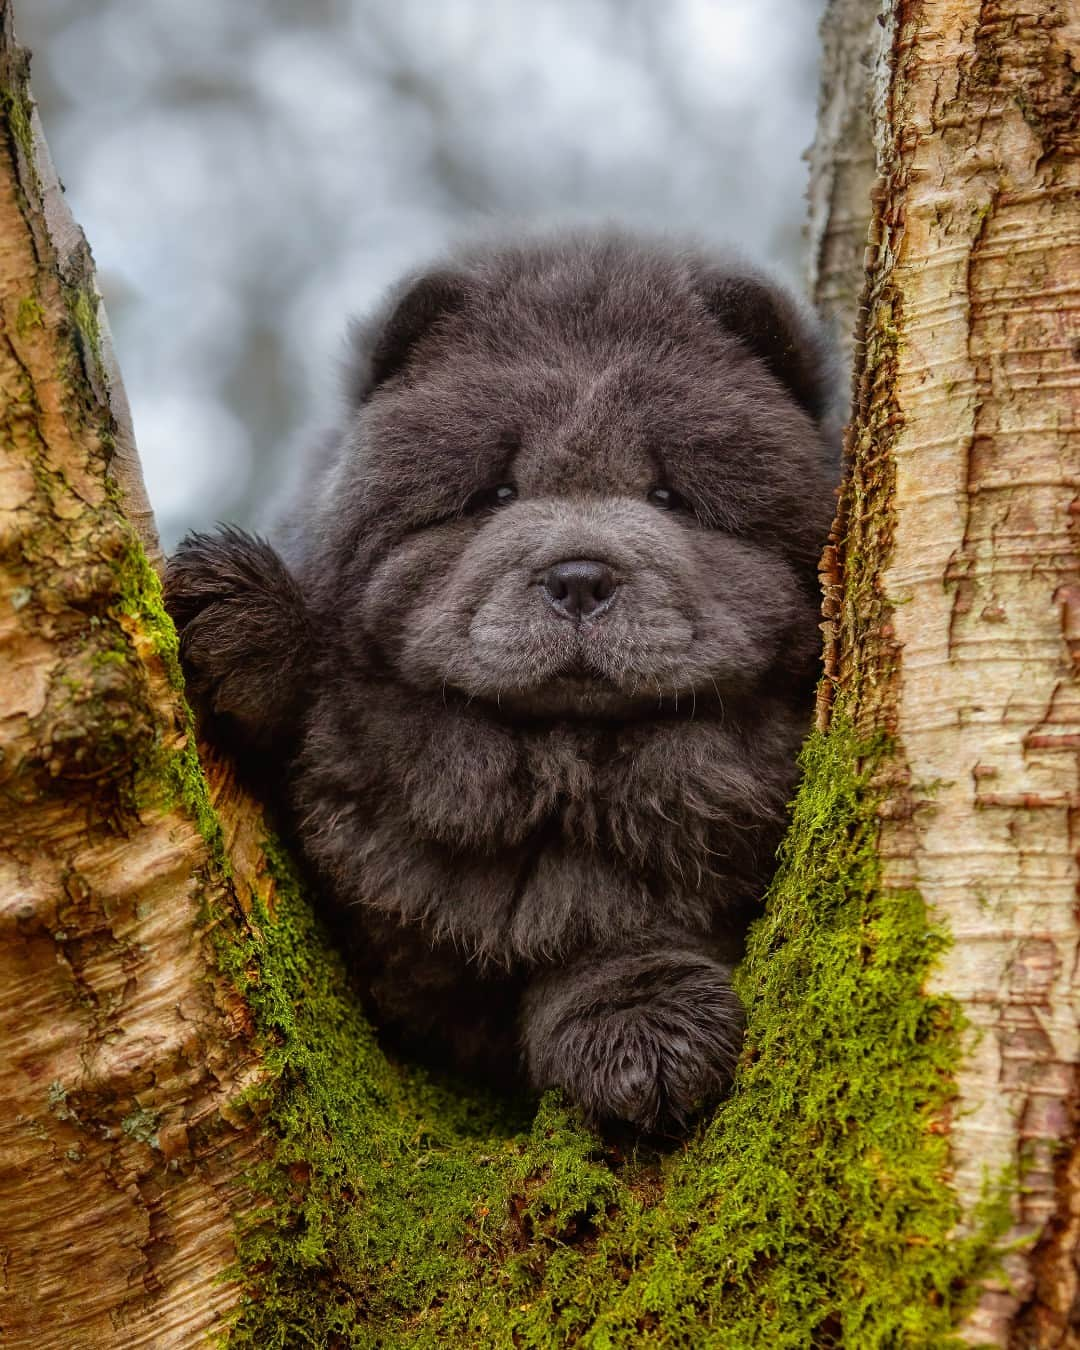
{"x":579,"y":694}
{"x":585,"y":675}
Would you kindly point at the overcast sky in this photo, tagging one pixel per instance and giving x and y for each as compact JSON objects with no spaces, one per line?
{"x":249,"y":175}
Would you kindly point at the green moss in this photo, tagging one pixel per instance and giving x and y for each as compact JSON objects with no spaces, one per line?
{"x":139,"y":598}
{"x":83,"y":307}
{"x":139,"y":601}
{"x":813,"y":1209}
{"x":30,"y":315}
{"x":142,"y":1125}
{"x":18,"y":110}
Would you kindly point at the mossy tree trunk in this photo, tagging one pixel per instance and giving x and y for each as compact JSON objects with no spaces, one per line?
{"x":187,"y":1090}
{"x":121,"y":1049}
{"x":953,"y":589}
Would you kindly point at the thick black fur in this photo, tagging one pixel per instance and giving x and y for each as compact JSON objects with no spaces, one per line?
{"x":548,"y":828}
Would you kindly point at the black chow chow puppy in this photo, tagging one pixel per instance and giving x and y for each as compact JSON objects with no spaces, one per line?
{"x":535,"y":660}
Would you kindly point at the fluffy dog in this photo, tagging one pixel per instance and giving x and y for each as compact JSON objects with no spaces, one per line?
{"x":533,"y":660}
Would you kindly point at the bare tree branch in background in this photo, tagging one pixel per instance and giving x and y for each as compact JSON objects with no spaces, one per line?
{"x":843,"y":161}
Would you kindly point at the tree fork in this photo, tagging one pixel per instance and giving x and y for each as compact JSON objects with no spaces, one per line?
{"x":191,"y":1091}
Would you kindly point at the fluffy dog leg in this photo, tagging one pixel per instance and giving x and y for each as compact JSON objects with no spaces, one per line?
{"x":244,"y":637}
{"x":643,"y":1037}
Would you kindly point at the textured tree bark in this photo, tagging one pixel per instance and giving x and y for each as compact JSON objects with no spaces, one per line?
{"x":843,"y":162}
{"x":955,"y":589}
{"x":187,"y":1090}
{"x":120,"y":1158}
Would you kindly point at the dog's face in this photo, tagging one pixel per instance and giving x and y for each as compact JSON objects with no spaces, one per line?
{"x":585,"y":486}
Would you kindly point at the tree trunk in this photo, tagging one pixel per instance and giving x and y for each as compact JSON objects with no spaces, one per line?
{"x":843,"y":161}
{"x":188,"y":1090}
{"x":956,"y":592}
{"x":121,"y":1154}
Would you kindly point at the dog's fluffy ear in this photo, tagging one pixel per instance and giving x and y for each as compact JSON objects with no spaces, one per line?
{"x":380,"y":347}
{"x":780,"y":331}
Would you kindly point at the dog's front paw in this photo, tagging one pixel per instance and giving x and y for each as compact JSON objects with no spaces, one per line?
{"x":244,"y":633}
{"x":646,"y":1040}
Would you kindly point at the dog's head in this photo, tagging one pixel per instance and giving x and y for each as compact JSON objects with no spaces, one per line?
{"x":586,"y":479}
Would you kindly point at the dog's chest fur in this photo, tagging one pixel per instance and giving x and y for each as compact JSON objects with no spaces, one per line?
{"x":519,"y":848}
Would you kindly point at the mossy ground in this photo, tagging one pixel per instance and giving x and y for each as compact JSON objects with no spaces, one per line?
{"x":812,"y":1209}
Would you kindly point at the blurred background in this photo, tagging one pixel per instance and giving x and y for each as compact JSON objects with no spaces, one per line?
{"x":249,"y":175}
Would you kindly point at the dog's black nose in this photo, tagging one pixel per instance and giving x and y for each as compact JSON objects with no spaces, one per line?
{"x":579,"y":589}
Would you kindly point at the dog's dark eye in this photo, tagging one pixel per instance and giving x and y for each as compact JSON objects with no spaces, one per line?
{"x":667,"y":500}
{"x":490,"y":499}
